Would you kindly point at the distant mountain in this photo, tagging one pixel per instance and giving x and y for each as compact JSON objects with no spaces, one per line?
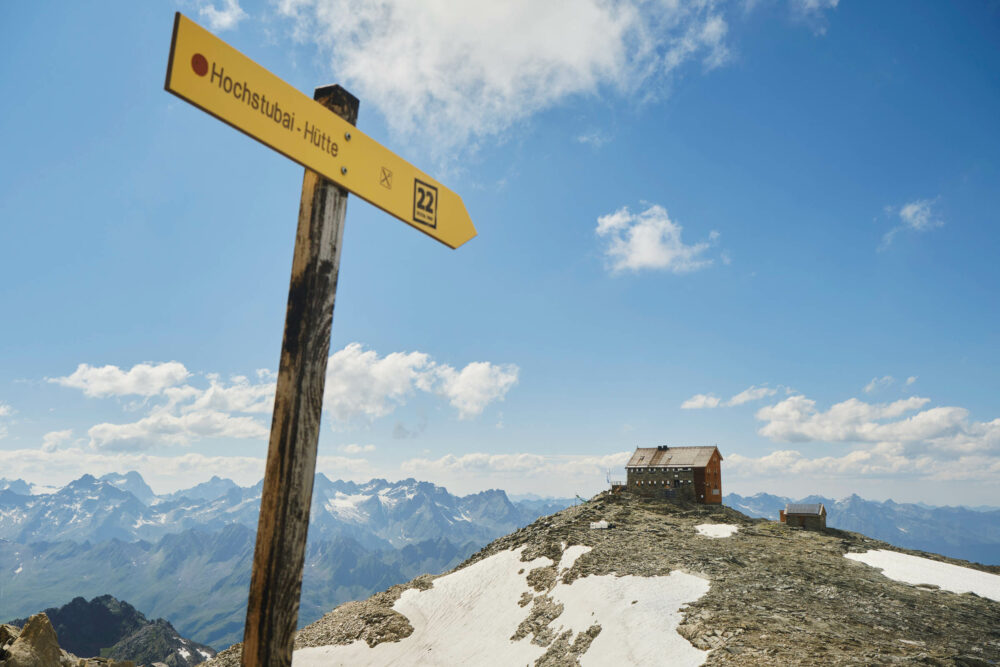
{"x":959,"y":532}
{"x":378,"y":514}
{"x":20,"y":487}
{"x":111,"y":628}
{"x":210,"y":490}
{"x":133,"y":483}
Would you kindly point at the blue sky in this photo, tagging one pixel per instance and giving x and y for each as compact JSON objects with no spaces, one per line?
{"x":769,"y":226}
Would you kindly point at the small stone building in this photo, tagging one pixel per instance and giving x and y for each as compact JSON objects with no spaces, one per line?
{"x":689,"y":473}
{"x":811,"y":516}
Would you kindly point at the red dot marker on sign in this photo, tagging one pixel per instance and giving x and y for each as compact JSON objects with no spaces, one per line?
{"x":199,"y":64}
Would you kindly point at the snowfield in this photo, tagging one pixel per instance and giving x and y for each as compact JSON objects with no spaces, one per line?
{"x":468,"y":617}
{"x":917,"y":570}
{"x":716,"y":529}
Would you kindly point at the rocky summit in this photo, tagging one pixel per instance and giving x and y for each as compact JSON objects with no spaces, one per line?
{"x":666,"y":583}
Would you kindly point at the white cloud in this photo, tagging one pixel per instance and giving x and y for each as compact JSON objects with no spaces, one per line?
{"x":162,"y":428}
{"x":224,"y":18}
{"x":359,"y":384}
{"x":905,"y":439}
{"x":910,"y":380}
{"x":455,"y":72}
{"x":239,"y":396}
{"x":752,"y":393}
{"x":356,"y":449}
{"x":52,"y":439}
{"x":916,"y":216}
{"x":879,"y":383}
{"x":477,"y":385}
{"x":142,"y":379}
{"x":649,"y":240}
{"x":362,"y":384}
{"x":700,"y":401}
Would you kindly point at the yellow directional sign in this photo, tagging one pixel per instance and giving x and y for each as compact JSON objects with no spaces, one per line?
{"x":220,"y":80}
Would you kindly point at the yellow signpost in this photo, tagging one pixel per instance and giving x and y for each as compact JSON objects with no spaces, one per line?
{"x":220,"y":80}
{"x":320,"y":135}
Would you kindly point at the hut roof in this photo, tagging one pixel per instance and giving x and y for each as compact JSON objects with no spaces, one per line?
{"x":672,"y":457}
{"x":805,"y":508}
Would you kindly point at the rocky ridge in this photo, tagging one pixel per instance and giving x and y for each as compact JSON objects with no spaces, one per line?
{"x":777,"y":595}
{"x":109,"y":628}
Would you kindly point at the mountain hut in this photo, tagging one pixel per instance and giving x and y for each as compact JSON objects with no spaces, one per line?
{"x":811,"y":516}
{"x":691,"y":473}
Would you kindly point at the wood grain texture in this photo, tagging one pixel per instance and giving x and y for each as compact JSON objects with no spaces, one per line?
{"x":273,"y":607}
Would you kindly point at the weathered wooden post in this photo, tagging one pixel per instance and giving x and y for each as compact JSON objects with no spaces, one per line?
{"x":273,"y":608}
{"x":221,"y":81}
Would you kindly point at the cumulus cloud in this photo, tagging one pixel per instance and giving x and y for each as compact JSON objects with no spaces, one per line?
{"x":752,"y":393}
{"x":225,"y":17}
{"x":906,"y":439}
{"x":456,"y":72}
{"x":142,"y":379}
{"x":359,"y":384}
{"x":362,"y":384}
{"x":916,"y":216}
{"x":477,"y":385}
{"x":164,"y":428}
{"x":649,"y":240}
{"x":796,"y":419}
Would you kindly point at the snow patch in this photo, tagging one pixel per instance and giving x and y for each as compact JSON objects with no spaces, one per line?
{"x":917,"y":570}
{"x":346,"y":506}
{"x":184,"y":653}
{"x":631,"y":634}
{"x":716,"y":529}
{"x":569,"y":557}
{"x":468,"y":617}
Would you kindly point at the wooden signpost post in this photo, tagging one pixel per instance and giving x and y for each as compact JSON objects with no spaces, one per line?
{"x":318,"y":133}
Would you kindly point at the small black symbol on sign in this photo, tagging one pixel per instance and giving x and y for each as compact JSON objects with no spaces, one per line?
{"x":385,"y":178}
{"x":425,"y":200}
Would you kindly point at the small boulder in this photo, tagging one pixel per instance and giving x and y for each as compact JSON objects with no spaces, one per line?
{"x":36,"y":645}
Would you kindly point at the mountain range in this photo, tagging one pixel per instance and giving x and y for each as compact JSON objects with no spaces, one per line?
{"x":960,"y":532}
{"x":114,"y":536}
